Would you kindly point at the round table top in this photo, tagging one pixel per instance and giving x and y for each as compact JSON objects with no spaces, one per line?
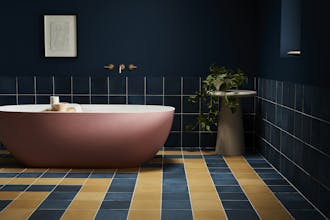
{"x":237,"y":93}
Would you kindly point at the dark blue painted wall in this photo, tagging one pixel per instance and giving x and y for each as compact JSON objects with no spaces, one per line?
{"x":161,"y":37}
{"x":311,"y":66}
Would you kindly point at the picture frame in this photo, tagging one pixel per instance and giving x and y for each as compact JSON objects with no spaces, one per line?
{"x":60,"y":35}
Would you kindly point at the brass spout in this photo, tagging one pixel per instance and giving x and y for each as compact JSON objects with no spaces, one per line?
{"x":132,"y":67}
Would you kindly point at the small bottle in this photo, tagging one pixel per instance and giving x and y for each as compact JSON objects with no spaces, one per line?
{"x":54,"y":100}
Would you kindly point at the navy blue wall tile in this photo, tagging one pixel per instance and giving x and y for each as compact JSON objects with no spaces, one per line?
{"x":154,"y":100}
{"x":155,"y":85}
{"x":189,"y":120}
{"x":26,"y":100}
{"x":176,"y":125}
{"x":208,"y":139}
{"x":189,"y":107}
{"x":172,"y":85}
{"x":135,"y":85}
{"x":99,"y":85}
{"x":279,"y":92}
{"x":137,"y":100}
{"x":190,"y":85}
{"x":26,"y":85}
{"x":99,"y":99}
{"x":117,"y":85}
{"x":190,"y":139}
{"x":7,"y":85}
{"x":81,"y":99}
{"x":80,"y":85}
{"x":44,"y":85}
{"x":117,"y":100}
{"x":66,"y":99}
{"x":173,"y":140}
{"x":288,"y":94}
{"x":247,"y":104}
{"x":8,"y":100}
{"x":62,"y":85}
{"x":299,"y":97}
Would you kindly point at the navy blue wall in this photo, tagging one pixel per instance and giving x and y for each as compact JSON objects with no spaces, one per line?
{"x":161,"y":37}
{"x":311,"y":66}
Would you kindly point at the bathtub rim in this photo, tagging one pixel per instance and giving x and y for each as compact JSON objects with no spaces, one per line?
{"x":152,"y":109}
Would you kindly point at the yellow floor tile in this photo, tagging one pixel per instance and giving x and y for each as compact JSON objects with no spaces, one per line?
{"x":79,"y":214}
{"x":173,"y":160}
{"x":85,"y":204}
{"x":15,"y":214}
{"x":40,"y":170}
{"x":128,"y":170}
{"x":81,"y":170}
{"x":172,"y":152}
{"x":143,"y":214}
{"x":89,"y":196}
{"x":12,"y":170}
{"x":33,"y":196}
{"x":145,"y":204}
{"x":26,"y":181}
{"x":98,"y":181}
{"x":206,"y":204}
{"x":73,"y":181}
{"x":9,"y":195}
{"x":209,"y":215}
{"x":4,"y":181}
{"x":47,"y":181}
{"x":94,"y":188}
{"x":24,"y":204}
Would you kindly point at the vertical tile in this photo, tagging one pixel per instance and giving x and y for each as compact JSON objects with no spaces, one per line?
{"x":26,"y":85}
{"x":99,"y":85}
{"x":190,"y":85}
{"x":80,"y":85}
{"x":155,"y":85}
{"x":288,"y":94}
{"x":279,"y":92}
{"x":172,"y":85}
{"x":299,"y":97}
{"x":44,"y":85}
{"x":117,"y":85}
{"x":135,"y":85}
{"x":7,"y":85}
{"x":62,"y":84}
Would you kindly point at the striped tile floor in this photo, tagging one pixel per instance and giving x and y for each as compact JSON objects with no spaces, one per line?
{"x":175,"y":185}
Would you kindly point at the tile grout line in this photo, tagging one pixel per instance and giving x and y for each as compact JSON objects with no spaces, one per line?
{"x":246,"y":194}
{"x":304,"y":171}
{"x":293,"y":187}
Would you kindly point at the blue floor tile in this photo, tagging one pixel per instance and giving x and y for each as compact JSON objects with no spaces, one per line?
{"x":242,"y":214}
{"x":270,"y":176}
{"x":29,"y":175}
{"x":176,"y":189}
{"x":61,"y":196}
{"x":126,"y":175}
{"x":54,"y":204}
{"x":228,"y":189}
{"x":70,"y":188}
{"x":4,"y":203}
{"x":225,"y":182}
{"x":237,"y":205}
{"x":47,"y":214}
{"x":101,"y":175}
{"x":232,"y":196}
{"x":8,"y":175}
{"x":14,"y":188}
{"x":192,"y":156}
{"x":176,"y":204}
{"x":276,"y":182}
{"x":121,"y":188}
{"x":283,"y":188}
{"x":41,"y":188}
{"x":103,"y":214}
{"x":118,"y":196}
{"x":177,"y":215}
{"x":77,"y":175}
{"x":306,"y":215}
{"x":219,"y":170}
{"x":265,"y":170}
{"x":53,"y":175}
{"x":175,"y":196}
{"x":115,"y":205}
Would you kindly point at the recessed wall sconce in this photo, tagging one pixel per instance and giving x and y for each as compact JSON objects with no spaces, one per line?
{"x":294,"y":52}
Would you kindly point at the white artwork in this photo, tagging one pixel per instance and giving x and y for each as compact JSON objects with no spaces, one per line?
{"x":60,"y":36}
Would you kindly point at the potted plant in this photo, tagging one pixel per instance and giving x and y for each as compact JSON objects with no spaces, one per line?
{"x":220,"y":79}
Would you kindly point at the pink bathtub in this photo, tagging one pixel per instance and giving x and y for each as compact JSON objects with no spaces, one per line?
{"x":100,"y":136}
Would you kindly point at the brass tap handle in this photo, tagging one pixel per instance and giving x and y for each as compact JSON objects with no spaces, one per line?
{"x":132,"y":67}
{"x":109,"y":67}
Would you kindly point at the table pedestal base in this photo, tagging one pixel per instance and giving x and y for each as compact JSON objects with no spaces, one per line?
{"x":230,"y":137}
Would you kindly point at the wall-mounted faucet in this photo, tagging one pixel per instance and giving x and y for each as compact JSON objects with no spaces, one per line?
{"x":132,"y":67}
{"x":109,"y":67}
{"x":121,"y":68}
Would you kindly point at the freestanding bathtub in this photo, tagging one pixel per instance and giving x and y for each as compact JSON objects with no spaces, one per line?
{"x":100,"y":136}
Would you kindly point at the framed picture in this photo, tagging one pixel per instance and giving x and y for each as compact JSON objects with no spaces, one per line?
{"x":60,"y":33}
